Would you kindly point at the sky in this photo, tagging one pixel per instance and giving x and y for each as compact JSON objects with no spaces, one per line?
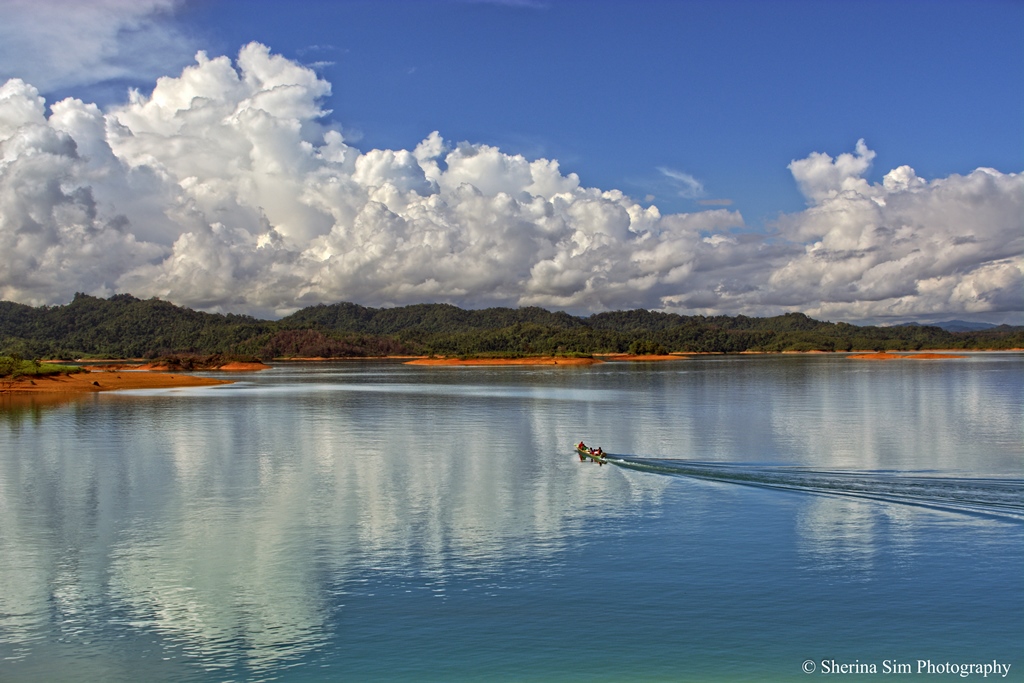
{"x":857,"y":161}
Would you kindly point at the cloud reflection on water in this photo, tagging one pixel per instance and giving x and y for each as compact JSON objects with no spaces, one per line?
{"x":226,"y":526}
{"x":233,"y":526}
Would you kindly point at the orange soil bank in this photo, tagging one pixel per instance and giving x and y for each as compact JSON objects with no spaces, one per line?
{"x":644,"y":358}
{"x":112,"y":380}
{"x":504,"y":361}
{"x":341,"y":359}
{"x":238,"y":366}
{"x":233,"y":366}
{"x":912,"y":356}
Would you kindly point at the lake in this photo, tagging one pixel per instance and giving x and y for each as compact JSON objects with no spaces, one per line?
{"x":372,"y":521}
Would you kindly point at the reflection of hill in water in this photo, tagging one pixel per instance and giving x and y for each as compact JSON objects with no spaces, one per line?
{"x":234,"y":525}
{"x":227,"y":527}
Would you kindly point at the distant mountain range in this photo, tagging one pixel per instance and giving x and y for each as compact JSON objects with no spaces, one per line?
{"x":954,"y":325}
{"x":126,"y":327}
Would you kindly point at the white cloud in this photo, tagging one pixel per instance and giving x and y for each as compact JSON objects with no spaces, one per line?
{"x":819,"y":176}
{"x":685,"y":184}
{"x":60,"y":43}
{"x":225,"y":188}
{"x":905,"y":247}
{"x":52,"y":231}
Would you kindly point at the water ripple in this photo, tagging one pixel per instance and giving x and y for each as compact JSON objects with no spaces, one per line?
{"x":1000,"y":497}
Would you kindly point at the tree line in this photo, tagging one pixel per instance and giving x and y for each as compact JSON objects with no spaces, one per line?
{"x":124,"y":326}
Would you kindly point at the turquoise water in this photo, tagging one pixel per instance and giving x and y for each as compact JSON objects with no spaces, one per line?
{"x":371,"y":521}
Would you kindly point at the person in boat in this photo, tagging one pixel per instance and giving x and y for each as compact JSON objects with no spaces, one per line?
{"x":599,"y":451}
{"x":582,"y":446}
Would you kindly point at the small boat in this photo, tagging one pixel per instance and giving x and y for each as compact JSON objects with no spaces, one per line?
{"x":595,"y":454}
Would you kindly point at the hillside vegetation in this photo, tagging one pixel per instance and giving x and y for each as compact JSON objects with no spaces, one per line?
{"x":124,"y":326}
{"x":13,"y":367}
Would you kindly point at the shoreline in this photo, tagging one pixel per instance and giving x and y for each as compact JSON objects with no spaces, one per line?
{"x":116,"y":374}
{"x":644,"y":357}
{"x":95,"y":381}
{"x":906,"y":355}
{"x":596,"y":359}
{"x":232,"y":366}
{"x":944,"y":354}
{"x":531,"y":360}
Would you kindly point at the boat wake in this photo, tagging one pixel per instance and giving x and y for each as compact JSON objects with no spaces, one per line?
{"x":1002,"y":498}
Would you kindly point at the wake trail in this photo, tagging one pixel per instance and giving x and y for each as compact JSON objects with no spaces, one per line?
{"x":996,"y":497}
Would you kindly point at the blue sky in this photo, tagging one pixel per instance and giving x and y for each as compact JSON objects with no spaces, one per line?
{"x":727,"y":92}
{"x":692,"y":107}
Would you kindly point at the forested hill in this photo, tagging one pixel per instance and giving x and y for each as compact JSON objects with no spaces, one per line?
{"x":423,"y":319}
{"x":119,"y":327}
{"x":124,"y":326}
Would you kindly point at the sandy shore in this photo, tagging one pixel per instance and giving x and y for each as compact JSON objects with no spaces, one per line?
{"x":103,"y":380}
{"x":341,"y":359}
{"x":247,"y":366}
{"x":233,"y":366}
{"x":644,"y":358}
{"x":905,"y":356}
{"x":504,"y":361}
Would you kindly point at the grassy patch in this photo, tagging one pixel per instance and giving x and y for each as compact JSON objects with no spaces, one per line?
{"x":12,"y":367}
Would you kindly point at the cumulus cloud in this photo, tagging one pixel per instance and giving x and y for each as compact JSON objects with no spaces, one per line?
{"x":903,"y":248}
{"x":227,"y":188}
{"x":819,"y":176}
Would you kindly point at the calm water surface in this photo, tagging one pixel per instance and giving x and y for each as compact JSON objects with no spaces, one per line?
{"x":370,"y":521}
